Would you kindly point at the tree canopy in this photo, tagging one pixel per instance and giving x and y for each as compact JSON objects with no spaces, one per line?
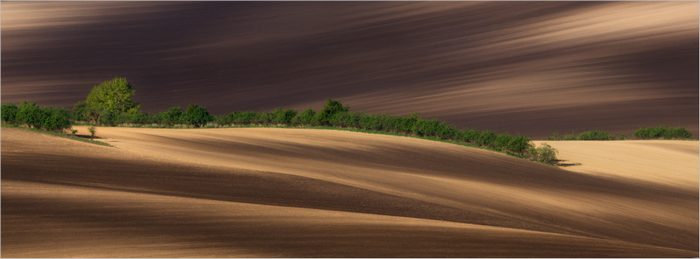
{"x":114,"y":96}
{"x":196,"y":115}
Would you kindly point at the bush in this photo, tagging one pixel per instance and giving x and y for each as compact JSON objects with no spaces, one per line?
{"x":107,"y":117}
{"x":662,"y":132}
{"x":170,"y":117}
{"x":502,"y":141}
{"x":588,"y":135}
{"x":140,"y":118}
{"x":307,"y":117}
{"x":30,"y":114}
{"x":332,"y":107}
{"x":196,"y":116}
{"x":486,"y":138}
{"x":283,"y":116}
{"x":56,"y":119}
{"x":9,"y":113}
{"x":545,"y":153}
{"x":570,"y":137}
{"x":519,"y":144}
{"x":92,"y":130}
{"x":595,"y":135}
{"x":555,"y":136}
{"x":80,"y":111}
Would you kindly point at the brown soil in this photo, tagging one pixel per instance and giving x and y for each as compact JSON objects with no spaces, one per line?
{"x":263,"y":192}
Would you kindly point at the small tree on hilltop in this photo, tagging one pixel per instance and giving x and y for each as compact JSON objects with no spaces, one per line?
{"x":114,"y":95}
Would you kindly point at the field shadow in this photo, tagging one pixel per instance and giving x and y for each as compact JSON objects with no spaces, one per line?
{"x":85,"y":136}
{"x":559,"y":163}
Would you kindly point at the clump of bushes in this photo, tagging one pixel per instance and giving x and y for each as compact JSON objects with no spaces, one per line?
{"x":545,"y":153}
{"x":588,"y":135}
{"x":47,"y":118}
{"x":335,"y":114}
{"x":596,"y":135}
{"x":662,"y":132}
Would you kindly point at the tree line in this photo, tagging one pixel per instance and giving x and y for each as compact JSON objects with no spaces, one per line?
{"x":110,"y":104}
{"x":661,"y":132}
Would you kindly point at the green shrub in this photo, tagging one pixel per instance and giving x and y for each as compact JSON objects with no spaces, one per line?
{"x":80,"y":110}
{"x":196,"y":116}
{"x":486,"y":138}
{"x":30,"y":114}
{"x":56,"y":119}
{"x":502,"y":141}
{"x":284,"y":116}
{"x":519,"y":144}
{"x":108,"y":117}
{"x":263,"y":118}
{"x":545,"y":153}
{"x":470,"y":136}
{"x":554,"y":136}
{"x":140,"y":118}
{"x":595,"y":135}
{"x":9,"y":113}
{"x":170,"y":117}
{"x":662,"y":132}
{"x":92,"y":131}
{"x":331,"y":108}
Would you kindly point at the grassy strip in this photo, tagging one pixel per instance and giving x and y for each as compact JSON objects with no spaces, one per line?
{"x":57,"y":134}
{"x":347,"y":129}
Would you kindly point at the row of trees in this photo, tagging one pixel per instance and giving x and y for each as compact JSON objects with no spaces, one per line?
{"x":662,"y":132}
{"x":588,"y":135}
{"x":194,"y":115}
{"x":335,"y":114}
{"x":47,"y":118}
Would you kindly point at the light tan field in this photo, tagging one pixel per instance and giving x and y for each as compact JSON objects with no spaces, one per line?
{"x":264,"y":192}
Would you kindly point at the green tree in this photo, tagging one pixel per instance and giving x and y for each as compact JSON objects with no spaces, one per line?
{"x":114,"y":95}
{"x":332,"y":107}
{"x":545,"y":153}
{"x":171,"y":116}
{"x":31,"y":114}
{"x":284,"y":116}
{"x":197,"y":116}
{"x":304,"y":118}
{"x":80,"y":110}
{"x":9,"y":113}
{"x":56,"y":119}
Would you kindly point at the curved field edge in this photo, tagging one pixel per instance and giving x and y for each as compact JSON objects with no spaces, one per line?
{"x":56,"y":134}
{"x":522,"y":190}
